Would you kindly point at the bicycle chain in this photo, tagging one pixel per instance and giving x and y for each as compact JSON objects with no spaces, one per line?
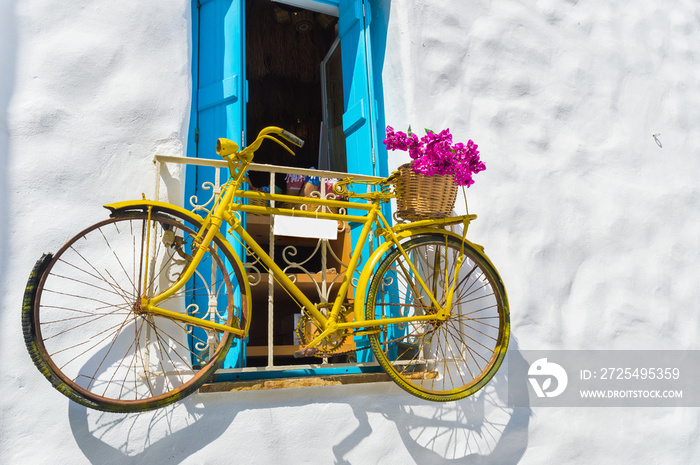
{"x":334,"y":341}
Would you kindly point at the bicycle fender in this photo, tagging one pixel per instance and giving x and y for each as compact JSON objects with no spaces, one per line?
{"x":155,"y":205}
{"x":374,"y":259}
{"x":183,"y":214}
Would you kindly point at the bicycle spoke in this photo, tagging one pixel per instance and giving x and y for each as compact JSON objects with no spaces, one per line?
{"x":184,"y":347}
{"x":451,"y":324}
{"x":125,"y":295}
{"x":102,"y":278}
{"x":71,"y":309}
{"x":157,"y":275}
{"x":86,"y":351}
{"x":78,"y":326}
{"x":466,"y":322}
{"x":147,"y":379}
{"x":91,"y":299}
{"x":63,"y":320}
{"x":163,"y":354}
{"x":134,"y":343}
{"x":116,"y":256}
{"x":437,"y":359}
{"x":141,"y":258}
{"x":111,"y":346}
{"x":110,"y":291}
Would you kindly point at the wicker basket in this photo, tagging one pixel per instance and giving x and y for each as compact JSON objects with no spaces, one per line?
{"x":421,"y":197}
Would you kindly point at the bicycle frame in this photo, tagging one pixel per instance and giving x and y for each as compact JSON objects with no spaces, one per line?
{"x":121,"y":337}
{"x":225,"y":210}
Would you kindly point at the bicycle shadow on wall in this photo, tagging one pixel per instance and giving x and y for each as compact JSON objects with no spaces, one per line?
{"x":175,"y":432}
{"x":481,"y":429}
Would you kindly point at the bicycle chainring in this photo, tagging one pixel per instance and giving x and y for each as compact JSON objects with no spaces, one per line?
{"x":307,"y":330}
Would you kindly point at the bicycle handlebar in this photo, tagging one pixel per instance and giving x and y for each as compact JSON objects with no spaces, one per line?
{"x":226,"y":147}
{"x":291,"y":138}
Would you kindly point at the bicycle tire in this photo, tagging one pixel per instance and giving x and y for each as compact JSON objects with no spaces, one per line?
{"x":84,"y":330}
{"x":441,"y":361}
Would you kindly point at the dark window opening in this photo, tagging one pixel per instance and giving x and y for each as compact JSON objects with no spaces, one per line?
{"x":295,"y":81}
{"x":285,"y":49}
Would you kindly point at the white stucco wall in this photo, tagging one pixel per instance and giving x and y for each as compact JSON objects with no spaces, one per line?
{"x":592,"y":223}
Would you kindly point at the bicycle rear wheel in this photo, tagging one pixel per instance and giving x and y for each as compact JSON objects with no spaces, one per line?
{"x":440,"y":360}
{"x":82,"y":321}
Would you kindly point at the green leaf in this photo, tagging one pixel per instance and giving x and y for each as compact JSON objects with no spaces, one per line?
{"x":429,"y":131}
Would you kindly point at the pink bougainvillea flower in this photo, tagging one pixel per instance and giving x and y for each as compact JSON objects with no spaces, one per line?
{"x":435,"y":155}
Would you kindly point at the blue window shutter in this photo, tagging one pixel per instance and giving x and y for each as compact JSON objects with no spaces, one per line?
{"x":220,"y":93}
{"x":360,"y":109}
{"x":219,"y":103}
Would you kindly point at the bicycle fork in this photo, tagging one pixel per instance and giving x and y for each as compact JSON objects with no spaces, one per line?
{"x":458,"y":267}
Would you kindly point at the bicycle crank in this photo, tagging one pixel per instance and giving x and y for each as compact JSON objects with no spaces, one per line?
{"x":307,"y":330}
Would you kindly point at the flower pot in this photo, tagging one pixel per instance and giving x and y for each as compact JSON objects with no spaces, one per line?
{"x":421,"y":197}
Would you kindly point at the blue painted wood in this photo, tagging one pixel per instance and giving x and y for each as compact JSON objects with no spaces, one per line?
{"x":355,"y":118}
{"x":222,"y":92}
{"x":221,"y":73}
{"x":219,"y":82}
{"x":358,"y":119}
{"x":252,"y":375}
{"x":353,"y":29}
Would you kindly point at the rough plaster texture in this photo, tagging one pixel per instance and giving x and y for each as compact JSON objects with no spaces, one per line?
{"x":591,"y":221}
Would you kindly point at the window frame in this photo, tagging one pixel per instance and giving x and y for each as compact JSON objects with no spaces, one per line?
{"x":362,"y":119}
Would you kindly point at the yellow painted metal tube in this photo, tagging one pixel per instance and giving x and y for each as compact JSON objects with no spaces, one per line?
{"x":354,"y":261}
{"x":388,"y":321}
{"x":162,"y":207}
{"x":433,"y":223}
{"x":298,"y":199}
{"x":190,"y":269}
{"x":146,"y":266}
{"x":415,"y":272}
{"x":193,"y":320}
{"x":258,"y":210}
{"x":211,"y":225}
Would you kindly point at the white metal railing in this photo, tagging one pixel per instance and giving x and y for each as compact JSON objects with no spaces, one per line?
{"x":324,"y":281}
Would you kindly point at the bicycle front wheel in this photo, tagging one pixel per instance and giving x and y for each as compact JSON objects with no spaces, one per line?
{"x":439,"y":360}
{"x":85,"y":329}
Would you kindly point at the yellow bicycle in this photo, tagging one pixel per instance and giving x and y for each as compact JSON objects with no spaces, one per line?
{"x":110,"y":321}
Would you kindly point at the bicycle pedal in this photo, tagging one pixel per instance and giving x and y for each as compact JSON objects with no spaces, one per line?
{"x":308,"y":352}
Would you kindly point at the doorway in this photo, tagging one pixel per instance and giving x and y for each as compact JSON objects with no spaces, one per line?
{"x":294,"y":75}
